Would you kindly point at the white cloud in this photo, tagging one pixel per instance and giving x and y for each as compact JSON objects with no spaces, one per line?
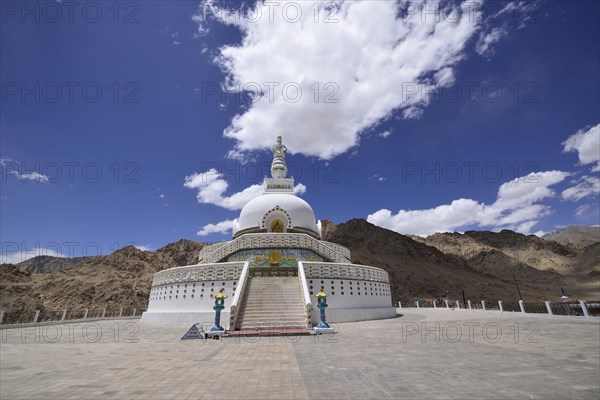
{"x":586,"y":142}
{"x":5,"y":161}
{"x":385,"y":134}
{"x":13,"y":167}
{"x":582,"y":210}
{"x":488,"y":39}
{"x":222,"y":227}
{"x":15,"y":258}
{"x":368,"y":61}
{"x":30,"y":176}
{"x":143,"y":248}
{"x":211,"y":188}
{"x":516,"y":207}
{"x":378,"y":177}
{"x":586,"y":186}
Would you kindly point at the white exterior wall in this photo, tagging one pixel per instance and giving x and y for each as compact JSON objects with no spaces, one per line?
{"x":190,"y":296}
{"x":374,"y":301}
{"x":355,"y":292}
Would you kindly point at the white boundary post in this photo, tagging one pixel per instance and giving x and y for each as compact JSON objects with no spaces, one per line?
{"x":500,"y":306}
{"x":447,"y":305}
{"x":483,"y":304}
{"x":549,"y":308}
{"x":64,"y":315}
{"x":417,"y":303}
{"x":399,"y":304}
{"x":36,"y":315}
{"x":522,"y":306}
{"x":457,"y":304}
{"x":1,"y":315}
{"x":435,"y":304}
{"x":469,"y":303}
{"x":584,"y":308}
{"x":85,"y":313}
{"x":103,"y":312}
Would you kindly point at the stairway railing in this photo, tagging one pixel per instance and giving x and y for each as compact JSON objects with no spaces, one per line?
{"x":237,"y":297}
{"x":305,"y":295}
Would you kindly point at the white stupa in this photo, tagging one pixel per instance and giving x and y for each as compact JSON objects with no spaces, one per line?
{"x":271,"y":269}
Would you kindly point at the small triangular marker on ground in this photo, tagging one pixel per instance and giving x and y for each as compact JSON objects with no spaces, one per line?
{"x":194,"y":333}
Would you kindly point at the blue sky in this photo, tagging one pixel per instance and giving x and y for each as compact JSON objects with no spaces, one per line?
{"x":419,"y":122}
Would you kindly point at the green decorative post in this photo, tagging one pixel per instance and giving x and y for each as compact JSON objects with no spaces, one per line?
{"x":323,"y":327}
{"x":219,"y":306}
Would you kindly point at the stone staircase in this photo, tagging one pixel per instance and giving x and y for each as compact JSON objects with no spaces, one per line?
{"x":272,"y":303}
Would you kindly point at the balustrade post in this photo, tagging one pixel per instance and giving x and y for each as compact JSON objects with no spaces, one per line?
{"x":584,"y":308}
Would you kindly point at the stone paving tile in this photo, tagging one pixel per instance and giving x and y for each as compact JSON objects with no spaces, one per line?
{"x":365,"y":360}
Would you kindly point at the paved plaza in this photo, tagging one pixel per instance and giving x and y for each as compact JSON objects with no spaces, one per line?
{"x":422,"y":354}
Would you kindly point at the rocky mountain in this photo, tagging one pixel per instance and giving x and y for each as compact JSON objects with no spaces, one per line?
{"x":17,"y":289}
{"x":575,"y":235}
{"x":526,"y":249}
{"x":418,"y":269}
{"x":122,"y":278}
{"x":47,"y":264}
{"x":481,"y":264}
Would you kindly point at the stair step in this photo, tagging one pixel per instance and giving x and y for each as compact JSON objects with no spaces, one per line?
{"x":274,"y":315}
{"x":273,"y":322}
{"x":272,"y":302}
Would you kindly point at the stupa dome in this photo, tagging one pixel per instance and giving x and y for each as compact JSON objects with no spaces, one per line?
{"x":261,"y":213}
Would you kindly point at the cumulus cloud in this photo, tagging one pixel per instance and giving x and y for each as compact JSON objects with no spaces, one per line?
{"x":30,"y":176}
{"x":143,"y":248}
{"x":586,"y":142}
{"x":586,"y":186}
{"x":516,"y":207}
{"x":321,"y":85}
{"x":222,"y":227}
{"x":211,"y":189}
{"x":24,"y":255}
